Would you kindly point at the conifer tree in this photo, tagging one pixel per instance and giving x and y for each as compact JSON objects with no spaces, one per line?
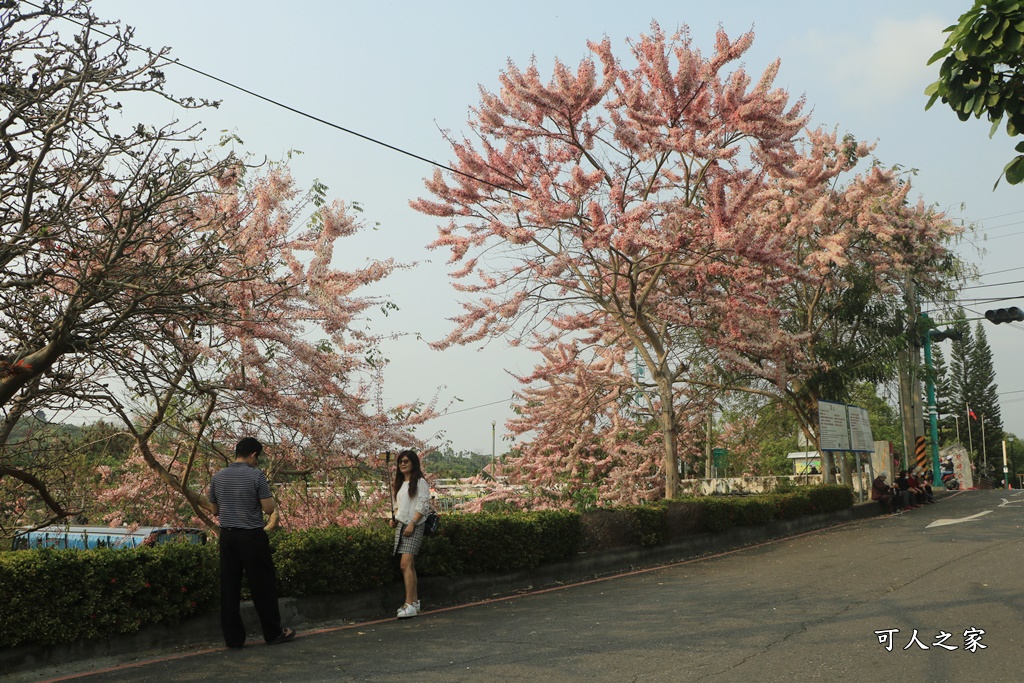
{"x":984,"y":399}
{"x":949,"y":417}
{"x":972,"y":391}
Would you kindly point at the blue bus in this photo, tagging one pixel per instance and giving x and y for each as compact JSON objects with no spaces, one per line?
{"x":89,"y":537}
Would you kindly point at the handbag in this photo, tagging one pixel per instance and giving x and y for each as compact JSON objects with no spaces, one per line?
{"x":432,"y":522}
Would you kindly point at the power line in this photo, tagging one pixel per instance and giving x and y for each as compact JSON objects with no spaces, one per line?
{"x":1002,"y":215}
{"x":999,"y":272}
{"x":482,"y":405}
{"x":999,"y":237}
{"x":997,"y":284}
{"x":999,"y":227}
{"x":288,"y":107}
{"x":990,"y":300}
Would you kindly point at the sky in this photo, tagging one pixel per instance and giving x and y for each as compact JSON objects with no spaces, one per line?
{"x":403,"y":71}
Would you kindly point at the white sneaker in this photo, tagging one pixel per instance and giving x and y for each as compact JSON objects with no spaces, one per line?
{"x":408,"y":610}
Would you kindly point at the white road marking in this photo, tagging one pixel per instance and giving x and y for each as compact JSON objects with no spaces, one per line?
{"x":947,"y":522}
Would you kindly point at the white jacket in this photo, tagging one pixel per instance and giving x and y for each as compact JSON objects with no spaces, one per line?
{"x":408,"y":506}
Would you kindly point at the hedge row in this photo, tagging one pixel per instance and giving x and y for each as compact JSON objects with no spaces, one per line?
{"x":345,"y":560}
{"x":51,"y":596}
{"x":721,"y":513}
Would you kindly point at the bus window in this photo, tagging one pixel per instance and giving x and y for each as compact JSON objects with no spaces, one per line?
{"x":90,"y":537}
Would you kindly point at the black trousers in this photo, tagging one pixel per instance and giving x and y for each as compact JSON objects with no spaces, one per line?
{"x":248,"y":551}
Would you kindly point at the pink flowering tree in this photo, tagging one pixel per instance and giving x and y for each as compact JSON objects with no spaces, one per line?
{"x":618,"y":199}
{"x":581,"y":439}
{"x":98,"y":245}
{"x":668,"y":208}
{"x":839,"y":312}
{"x":191,"y":298}
{"x":287,"y":360}
{"x":589,"y":432}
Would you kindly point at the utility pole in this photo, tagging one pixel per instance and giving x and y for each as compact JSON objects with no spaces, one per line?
{"x":711,"y":418}
{"x":910,"y":385}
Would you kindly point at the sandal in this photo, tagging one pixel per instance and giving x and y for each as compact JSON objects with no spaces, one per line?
{"x":287,"y":635}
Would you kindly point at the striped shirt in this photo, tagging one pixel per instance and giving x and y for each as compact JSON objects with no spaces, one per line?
{"x":237,"y":490}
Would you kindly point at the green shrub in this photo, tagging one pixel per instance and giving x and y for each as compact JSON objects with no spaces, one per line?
{"x":474,"y":543}
{"x":685,"y":516}
{"x":719,"y":515}
{"x":53,"y":596}
{"x":333,"y":560}
{"x":648,"y":523}
{"x":790,"y":505}
{"x":751,"y":510}
{"x":830,"y":498}
{"x":488,"y":543}
{"x":440,"y":556}
{"x":560,"y":533}
{"x":784,"y":485}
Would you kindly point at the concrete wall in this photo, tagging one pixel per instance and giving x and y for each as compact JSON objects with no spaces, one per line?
{"x":705,"y":487}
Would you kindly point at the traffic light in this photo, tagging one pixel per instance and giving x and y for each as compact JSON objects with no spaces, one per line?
{"x":948,"y":333}
{"x":1004,"y":315}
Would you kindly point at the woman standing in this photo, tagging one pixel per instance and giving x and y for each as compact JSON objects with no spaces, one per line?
{"x":412,"y":496}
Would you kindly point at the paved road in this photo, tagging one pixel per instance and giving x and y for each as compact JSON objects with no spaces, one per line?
{"x":803,"y":608}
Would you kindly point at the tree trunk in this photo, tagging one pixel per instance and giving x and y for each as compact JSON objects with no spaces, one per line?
{"x":668,"y":432}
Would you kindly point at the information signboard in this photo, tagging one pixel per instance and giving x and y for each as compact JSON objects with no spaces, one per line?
{"x":860,"y":430}
{"x":844,"y":428}
{"x":720,"y":455}
{"x":833,"y":430}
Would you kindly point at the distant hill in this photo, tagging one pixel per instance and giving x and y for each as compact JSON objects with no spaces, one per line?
{"x":38,"y":426}
{"x":448,"y":464}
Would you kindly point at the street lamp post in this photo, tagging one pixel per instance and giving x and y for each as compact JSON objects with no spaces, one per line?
{"x":1012,"y":440}
{"x":494,"y":461}
{"x":1006,"y":471}
{"x":970,"y":438}
{"x":984,"y":453}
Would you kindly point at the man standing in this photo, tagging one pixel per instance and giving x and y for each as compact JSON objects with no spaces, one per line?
{"x":239,"y":495}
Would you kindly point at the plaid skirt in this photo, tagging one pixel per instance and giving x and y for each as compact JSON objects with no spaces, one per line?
{"x":408,"y":545}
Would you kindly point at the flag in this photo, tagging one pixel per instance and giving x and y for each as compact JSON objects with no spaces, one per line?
{"x":971,"y":413}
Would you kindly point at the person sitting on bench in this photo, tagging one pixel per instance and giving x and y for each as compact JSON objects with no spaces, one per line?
{"x":881,"y":492}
